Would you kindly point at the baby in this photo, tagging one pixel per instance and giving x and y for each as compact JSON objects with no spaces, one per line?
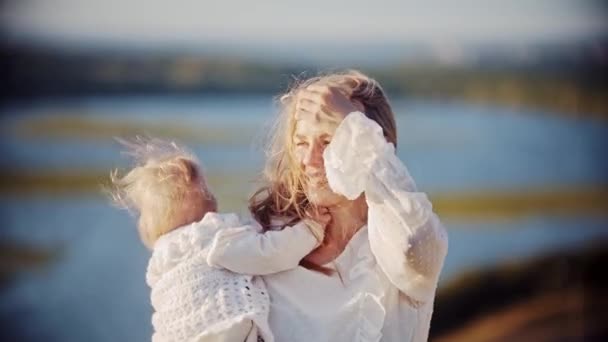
{"x":202,"y":265}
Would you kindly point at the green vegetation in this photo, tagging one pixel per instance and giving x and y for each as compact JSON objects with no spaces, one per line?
{"x":571,"y":93}
{"x":17,"y":257}
{"x":78,"y":126}
{"x":231,"y":188}
{"x":494,"y":205}
{"x":555,"y":82}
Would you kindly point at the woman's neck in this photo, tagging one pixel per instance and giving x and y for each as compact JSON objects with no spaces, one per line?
{"x":346,"y":219}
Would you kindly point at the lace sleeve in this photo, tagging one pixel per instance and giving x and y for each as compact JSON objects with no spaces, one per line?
{"x":405,"y":235}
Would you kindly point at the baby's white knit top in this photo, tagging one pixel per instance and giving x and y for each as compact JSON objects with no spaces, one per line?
{"x":386,"y":277}
{"x":195,"y":293}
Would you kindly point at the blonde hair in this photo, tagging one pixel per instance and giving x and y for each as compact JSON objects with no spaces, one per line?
{"x":162,"y":184}
{"x":283,"y":195}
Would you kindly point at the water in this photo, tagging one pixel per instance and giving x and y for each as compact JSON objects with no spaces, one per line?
{"x":447,"y":146}
{"x":95,"y":291}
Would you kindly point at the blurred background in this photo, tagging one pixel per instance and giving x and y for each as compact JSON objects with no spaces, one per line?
{"x":502,"y":111}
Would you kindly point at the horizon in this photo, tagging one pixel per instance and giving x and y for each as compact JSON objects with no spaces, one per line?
{"x":273,"y":31}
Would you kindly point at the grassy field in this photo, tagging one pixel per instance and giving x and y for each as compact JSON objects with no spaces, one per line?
{"x":569,"y":93}
{"x":232,"y":189}
{"x":555,"y":83}
{"x":76,"y":126}
{"x":233,"y":186}
{"x":18,"y":257}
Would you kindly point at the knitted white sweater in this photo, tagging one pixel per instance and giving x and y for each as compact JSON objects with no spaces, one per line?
{"x":195,"y":294}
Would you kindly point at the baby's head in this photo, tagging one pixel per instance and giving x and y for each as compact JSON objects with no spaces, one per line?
{"x":166,"y":188}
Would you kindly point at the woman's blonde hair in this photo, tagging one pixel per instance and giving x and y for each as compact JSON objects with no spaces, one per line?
{"x":282,"y":195}
{"x":159,"y":186}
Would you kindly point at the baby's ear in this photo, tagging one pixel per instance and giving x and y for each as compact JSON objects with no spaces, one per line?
{"x":188,"y":168}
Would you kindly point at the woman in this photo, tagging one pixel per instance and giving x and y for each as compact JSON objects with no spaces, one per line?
{"x":374,"y":277}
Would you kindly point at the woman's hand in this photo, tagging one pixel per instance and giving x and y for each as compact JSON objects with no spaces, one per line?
{"x":326,"y":100}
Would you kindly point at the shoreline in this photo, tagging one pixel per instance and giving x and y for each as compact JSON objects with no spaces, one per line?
{"x":587,"y":199}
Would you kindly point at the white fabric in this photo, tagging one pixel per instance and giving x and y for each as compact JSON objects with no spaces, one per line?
{"x":196,"y":302}
{"x":240,"y":251}
{"x":388,"y":272}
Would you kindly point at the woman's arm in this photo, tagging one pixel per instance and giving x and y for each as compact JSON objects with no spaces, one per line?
{"x":405,"y":235}
{"x":245,"y":250}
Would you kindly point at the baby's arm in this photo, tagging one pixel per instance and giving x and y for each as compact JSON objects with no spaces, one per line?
{"x":244,"y":250}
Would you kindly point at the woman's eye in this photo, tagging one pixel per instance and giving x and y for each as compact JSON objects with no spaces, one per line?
{"x":326,"y":142}
{"x":301,"y":143}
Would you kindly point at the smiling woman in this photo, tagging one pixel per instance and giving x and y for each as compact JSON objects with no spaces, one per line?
{"x":384,"y":247}
{"x":312,"y":134}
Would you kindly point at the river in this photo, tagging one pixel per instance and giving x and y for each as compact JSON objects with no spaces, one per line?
{"x":95,"y":290}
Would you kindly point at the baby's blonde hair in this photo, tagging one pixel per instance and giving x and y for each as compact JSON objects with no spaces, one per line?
{"x":164,"y":183}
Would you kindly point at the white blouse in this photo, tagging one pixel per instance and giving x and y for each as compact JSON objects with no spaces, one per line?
{"x":388,"y":273}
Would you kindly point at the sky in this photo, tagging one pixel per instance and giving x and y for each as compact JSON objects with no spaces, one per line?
{"x":297,"y":25}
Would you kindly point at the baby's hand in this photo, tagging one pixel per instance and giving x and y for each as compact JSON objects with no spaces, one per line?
{"x":318,"y":221}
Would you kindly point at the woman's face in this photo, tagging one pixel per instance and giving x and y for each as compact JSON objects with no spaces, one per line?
{"x":311,"y":135}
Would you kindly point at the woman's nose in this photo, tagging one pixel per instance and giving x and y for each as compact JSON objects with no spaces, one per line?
{"x":314,"y":156}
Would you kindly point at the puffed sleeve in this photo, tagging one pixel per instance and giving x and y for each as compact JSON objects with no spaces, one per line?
{"x":245,"y":250}
{"x":405,"y":235}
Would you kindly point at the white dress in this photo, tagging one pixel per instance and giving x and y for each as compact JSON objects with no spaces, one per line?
{"x":388,"y":272}
{"x":195,"y":293}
